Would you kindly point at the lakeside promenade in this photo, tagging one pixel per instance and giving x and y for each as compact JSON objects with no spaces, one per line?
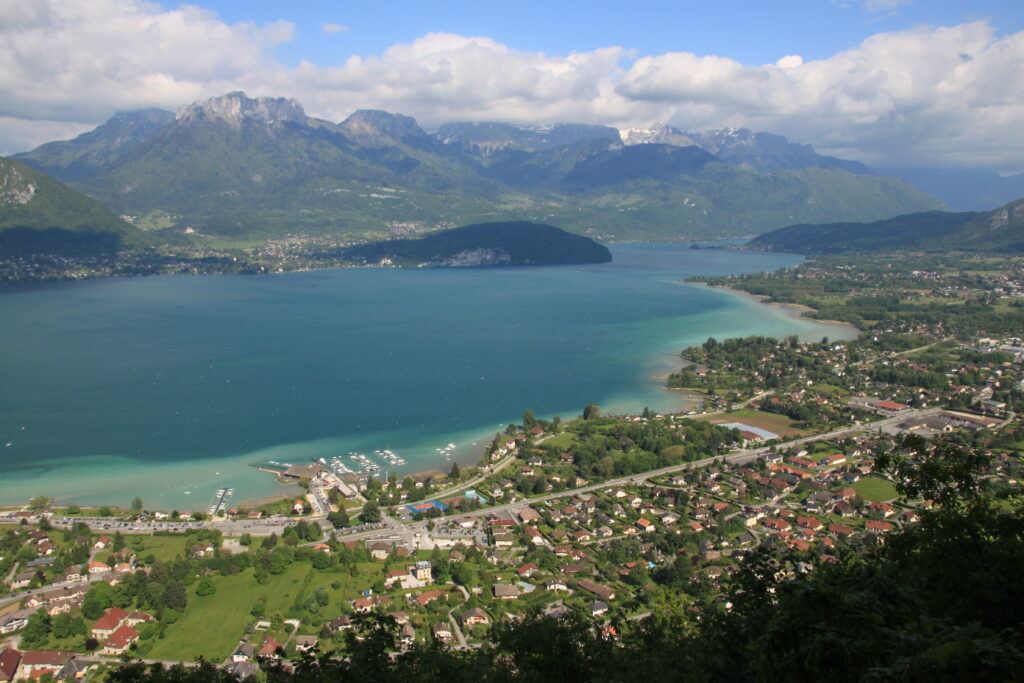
{"x":392,"y":527}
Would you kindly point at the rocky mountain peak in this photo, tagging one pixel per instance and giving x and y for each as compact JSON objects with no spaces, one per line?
{"x":15,"y":188}
{"x":659,"y":134}
{"x":370,"y":125}
{"x":235,"y":107}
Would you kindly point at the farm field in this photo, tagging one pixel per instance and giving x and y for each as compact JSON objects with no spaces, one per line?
{"x":779,"y":424}
{"x":213,"y":625}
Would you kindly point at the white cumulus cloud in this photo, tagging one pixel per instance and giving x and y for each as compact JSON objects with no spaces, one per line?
{"x":948,"y":95}
{"x":79,"y":60}
{"x":940,"y":96}
{"x":334,"y":28}
{"x":884,"y":5}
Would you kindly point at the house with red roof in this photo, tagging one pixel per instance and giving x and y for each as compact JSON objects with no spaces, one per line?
{"x":96,"y":568}
{"x":427,"y":597}
{"x":269,"y":648}
{"x":812,"y":523}
{"x":108,"y":623}
{"x":9,"y":661}
{"x":527,"y":570}
{"x":34,"y":663}
{"x":120,"y":640}
{"x":776,"y":524}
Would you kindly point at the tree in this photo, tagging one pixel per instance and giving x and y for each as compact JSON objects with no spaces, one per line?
{"x":39,"y":503}
{"x":462,"y":573}
{"x":339,"y":519}
{"x":104,"y":511}
{"x":174,"y":596}
{"x":137,"y":504}
{"x":96,"y":601}
{"x":371,"y":512}
{"x":37,"y":630}
{"x":280,"y":558}
{"x":455,"y":472}
{"x":63,"y":626}
{"x":529,"y":421}
{"x":205,"y":587}
{"x":591,"y":411}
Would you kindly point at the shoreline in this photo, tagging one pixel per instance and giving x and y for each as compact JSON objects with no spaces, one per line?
{"x":791,"y":310}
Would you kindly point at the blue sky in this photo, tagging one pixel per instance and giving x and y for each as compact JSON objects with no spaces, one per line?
{"x":753,"y":32}
{"x":936,"y":83}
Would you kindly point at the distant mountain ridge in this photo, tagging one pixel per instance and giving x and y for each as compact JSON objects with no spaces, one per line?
{"x":963,"y":190}
{"x":1001,"y":230}
{"x":255,"y":168}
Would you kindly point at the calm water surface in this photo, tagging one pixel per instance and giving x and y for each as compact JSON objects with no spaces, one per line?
{"x":158,"y":386}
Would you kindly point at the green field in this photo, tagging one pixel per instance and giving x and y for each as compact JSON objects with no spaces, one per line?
{"x":561,"y":441}
{"x":779,"y":424}
{"x":875,"y":489}
{"x":213,"y":625}
{"x":830,"y":389}
{"x":164,"y":548}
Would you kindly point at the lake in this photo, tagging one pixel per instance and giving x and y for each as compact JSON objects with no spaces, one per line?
{"x":168,"y":387}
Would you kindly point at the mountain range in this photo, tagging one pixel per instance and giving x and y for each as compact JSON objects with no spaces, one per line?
{"x":240,"y":168}
{"x":998,"y":231}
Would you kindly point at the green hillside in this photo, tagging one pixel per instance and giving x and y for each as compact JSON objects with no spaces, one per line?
{"x":1001,"y":230}
{"x":486,"y":244}
{"x":40,"y":215}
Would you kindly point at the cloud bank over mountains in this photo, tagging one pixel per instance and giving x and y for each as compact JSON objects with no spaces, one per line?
{"x":929,"y":96}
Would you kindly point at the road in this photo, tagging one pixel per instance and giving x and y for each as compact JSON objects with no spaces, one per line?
{"x":456,"y":629}
{"x":633,"y":479}
{"x":487,"y":472}
{"x":265,"y":527}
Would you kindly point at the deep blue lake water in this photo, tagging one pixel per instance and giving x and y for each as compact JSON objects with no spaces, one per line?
{"x":157,"y":386}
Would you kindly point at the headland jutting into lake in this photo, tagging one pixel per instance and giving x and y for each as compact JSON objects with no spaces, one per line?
{"x":169,"y":387}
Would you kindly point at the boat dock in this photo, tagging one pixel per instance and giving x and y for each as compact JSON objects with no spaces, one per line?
{"x":220,"y":501}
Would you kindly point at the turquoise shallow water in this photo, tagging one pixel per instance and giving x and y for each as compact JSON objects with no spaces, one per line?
{"x":157,"y":386}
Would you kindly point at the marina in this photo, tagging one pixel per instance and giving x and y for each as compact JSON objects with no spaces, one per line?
{"x":354,"y":466}
{"x":364,"y":466}
{"x":220,"y":501}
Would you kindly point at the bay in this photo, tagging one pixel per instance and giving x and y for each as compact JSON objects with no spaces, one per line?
{"x":168,"y":387}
